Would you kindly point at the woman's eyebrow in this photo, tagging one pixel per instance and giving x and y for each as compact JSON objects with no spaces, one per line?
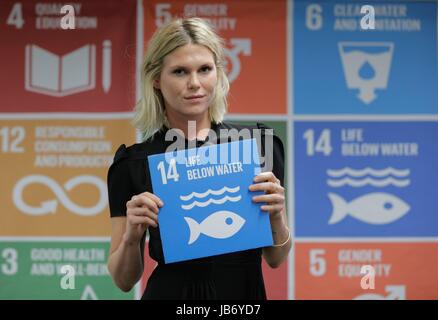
{"x":207,"y":64}
{"x":184,"y":66}
{"x":177,"y":66}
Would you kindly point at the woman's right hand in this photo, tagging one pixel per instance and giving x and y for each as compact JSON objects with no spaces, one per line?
{"x":142,"y":212}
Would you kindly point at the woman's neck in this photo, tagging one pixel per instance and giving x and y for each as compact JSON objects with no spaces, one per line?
{"x":193,"y":128}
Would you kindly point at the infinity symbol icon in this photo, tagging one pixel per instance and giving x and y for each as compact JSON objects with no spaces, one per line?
{"x":50,"y":206}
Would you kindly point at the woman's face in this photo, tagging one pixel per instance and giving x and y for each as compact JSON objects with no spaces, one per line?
{"x":187,"y":82}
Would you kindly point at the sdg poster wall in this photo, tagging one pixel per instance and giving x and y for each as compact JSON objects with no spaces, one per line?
{"x":247,"y":50}
{"x":356,"y":110}
{"x":64,"y":104}
{"x":365,"y":130}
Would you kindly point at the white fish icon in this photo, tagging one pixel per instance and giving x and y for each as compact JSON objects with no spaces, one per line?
{"x":373,"y":208}
{"x":220,"y":225}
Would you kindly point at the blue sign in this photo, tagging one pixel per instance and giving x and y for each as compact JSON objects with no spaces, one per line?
{"x":342,"y":68}
{"x":208,"y":208}
{"x":359,"y":179}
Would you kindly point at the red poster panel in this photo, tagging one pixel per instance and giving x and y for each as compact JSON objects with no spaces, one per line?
{"x":333,"y":271}
{"x":276,"y":280}
{"x":54,"y":176}
{"x":255,"y":35}
{"x":49,"y":69}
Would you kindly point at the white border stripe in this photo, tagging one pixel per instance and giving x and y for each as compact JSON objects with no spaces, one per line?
{"x":290,"y":89}
{"x":232,"y":116}
{"x":139,"y":49}
{"x":291,"y":207}
{"x":55,"y":239}
{"x":366,"y":240}
{"x":382,"y":118}
{"x":139,"y":63}
{"x":66,"y":116}
{"x":266,"y":117}
{"x":289,"y":147}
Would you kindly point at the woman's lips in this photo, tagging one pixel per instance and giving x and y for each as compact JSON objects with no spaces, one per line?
{"x":194,"y":98}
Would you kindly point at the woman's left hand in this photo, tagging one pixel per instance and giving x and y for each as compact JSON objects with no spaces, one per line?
{"x":274,"y":193}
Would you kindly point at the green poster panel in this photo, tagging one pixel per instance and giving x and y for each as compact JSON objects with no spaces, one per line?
{"x":280,"y":129}
{"x":61,"y":270}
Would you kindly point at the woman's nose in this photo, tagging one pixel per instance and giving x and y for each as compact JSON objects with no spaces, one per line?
{"x":194,"y":81}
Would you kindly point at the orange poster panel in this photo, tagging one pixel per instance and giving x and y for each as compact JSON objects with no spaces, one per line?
{"x":333,"y":271}
{"x":255,"y":36}
{"x":54,"y":175}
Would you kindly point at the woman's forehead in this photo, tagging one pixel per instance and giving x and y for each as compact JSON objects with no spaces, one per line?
{"x":189,"y":54}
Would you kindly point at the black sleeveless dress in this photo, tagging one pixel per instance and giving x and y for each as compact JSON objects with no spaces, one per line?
{"x":235,"y":275}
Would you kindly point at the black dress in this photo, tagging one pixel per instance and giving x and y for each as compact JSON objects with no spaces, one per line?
{"x":235,"y":275}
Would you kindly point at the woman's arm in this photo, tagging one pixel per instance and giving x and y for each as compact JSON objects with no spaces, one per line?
{"x":273,"y":200}
{"x":276,"y":254}
{"x":125,"y":262}
{"x":125,"y":259}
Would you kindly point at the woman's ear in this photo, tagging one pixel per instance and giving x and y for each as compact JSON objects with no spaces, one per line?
{"x":157,"y":84}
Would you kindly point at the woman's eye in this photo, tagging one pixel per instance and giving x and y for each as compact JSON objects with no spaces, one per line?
{"x":205,"y":69}
{"x":179,"y":72}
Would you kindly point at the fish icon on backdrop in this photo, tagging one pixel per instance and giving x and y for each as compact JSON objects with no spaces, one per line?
{"x":220,"y":225}
{"x":372,"y":208}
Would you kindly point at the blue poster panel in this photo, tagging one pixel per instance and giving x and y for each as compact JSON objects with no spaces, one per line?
{"x":343,"y":64}
{"x":360,"y":179}
{"x":208,"y":208}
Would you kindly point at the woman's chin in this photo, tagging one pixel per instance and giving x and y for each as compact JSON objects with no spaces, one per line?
{"x":196,"y":110}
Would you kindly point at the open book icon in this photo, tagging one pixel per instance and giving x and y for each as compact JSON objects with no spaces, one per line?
{"x":50,"y":74}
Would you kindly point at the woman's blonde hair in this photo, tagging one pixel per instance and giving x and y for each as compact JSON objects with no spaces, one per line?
{"x":149,"y":115}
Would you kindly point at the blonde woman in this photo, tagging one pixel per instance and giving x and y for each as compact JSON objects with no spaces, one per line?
{"x":185,"y":87}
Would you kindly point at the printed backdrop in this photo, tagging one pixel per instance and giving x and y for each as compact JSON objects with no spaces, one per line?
{"x":356,"y":110}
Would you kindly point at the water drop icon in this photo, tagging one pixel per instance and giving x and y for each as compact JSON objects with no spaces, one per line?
{"x":367,"y":71}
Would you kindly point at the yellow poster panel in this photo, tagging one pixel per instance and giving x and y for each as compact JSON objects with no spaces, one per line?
{"x":54,"y":175}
